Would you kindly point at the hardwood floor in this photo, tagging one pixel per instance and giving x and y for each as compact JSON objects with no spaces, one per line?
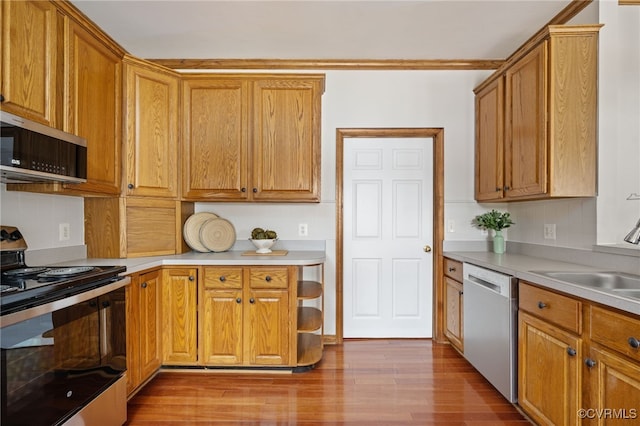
{"x":366,"y":382}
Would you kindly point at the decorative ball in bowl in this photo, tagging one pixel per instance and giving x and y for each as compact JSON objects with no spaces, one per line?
{"x":263,"y":246}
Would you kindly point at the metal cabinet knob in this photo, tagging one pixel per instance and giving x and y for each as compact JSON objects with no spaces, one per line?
{"x":452,"y":269}
{"x":252,"y":300}
{"x":223,"y":278}
{"x":130,"y":186}
{"x":542,"y":305}
{"x":633,"y":342}
{"x":267,"y":278}
{"x":238,"y":300}
{"x":191,"y":278}
{"x":144,"y":285}
{"x":589,"y":363}
{"x":571,"y":351}
{"x":243,"y":190}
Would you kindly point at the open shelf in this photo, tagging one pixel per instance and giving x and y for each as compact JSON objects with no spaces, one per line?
{"x":309,"y":319}
{"x":309,"y":289}
{"x":309,"y":348}
{"x":310,"y":324}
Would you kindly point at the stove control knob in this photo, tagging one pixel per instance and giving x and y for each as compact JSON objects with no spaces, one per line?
{"x":4,"y":235}
{"x":15,"y":235}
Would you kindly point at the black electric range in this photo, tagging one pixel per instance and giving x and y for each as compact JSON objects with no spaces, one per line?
{"x":23,"y":287}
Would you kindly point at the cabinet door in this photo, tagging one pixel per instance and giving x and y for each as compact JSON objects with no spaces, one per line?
{"x":150,"y":130}
{"x":29,"y":60}
{"x":549,"y":386}
{"x":489,"y":177}
{"x":221,"y":327}
{"x":526,"y":125}
{"x":615,"y":388}
{"x":179,"y":316}
{"x":132,"y":300}
{"x":215,"y":151}
{"x":453,"y":312}
{"x":93,"y":110}
{"x":149,"y":316}
{"x":266,"y":329}
{"x":286,"y":140}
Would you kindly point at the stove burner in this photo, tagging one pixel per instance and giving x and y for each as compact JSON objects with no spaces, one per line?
{"x":65,"y":272}
{"x":23,"y":272}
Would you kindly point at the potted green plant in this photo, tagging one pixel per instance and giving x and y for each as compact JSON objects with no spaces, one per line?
{"x":496,"y":221}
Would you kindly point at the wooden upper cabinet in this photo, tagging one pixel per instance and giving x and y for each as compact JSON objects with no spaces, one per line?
{"x":30,"y":59}
{"x":252,"y":137}
{"x":526,"y":136}
{"x":550,"y":119}
{"x":286,"y":140}
{"x":93,"y":106}
{"x":215,"y":150}
{"x":489,"y":176}
{"x":150,"y":129}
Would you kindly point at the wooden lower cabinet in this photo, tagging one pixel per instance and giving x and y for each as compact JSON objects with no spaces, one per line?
{"x":245,"y":316}
{"x":453,"y":303}
{"x":179,"y":316}
{"x":579,"y":362}
{"x":142,"y":298}
{"x":549,"y":372}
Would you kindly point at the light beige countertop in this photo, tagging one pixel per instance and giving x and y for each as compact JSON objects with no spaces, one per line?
{"x":522,"y":267}
{"x":137,"y":264}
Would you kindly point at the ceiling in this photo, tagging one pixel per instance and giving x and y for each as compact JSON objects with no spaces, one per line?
{"x":321,"y":29}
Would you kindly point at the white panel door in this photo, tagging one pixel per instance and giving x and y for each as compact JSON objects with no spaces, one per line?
{"x":387,"y":221}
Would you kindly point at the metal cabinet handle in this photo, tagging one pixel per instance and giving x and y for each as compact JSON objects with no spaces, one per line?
{"x":506,"y":188}
{"x":130,"y":186}
{"x":452,"y":269}
{"x":144,"y":285}
{"x":243,"y":190}
{"x":571,"y":351}
{"x":498,"y":188}
{"x":106,"y":303}
{"x":238,"y":300}
{"x":460,"y":292}
{"x":542,"y":305}
{"x":589,"y":363}
{"x":267,"y":278}
{"x":255,"y":190}
{"x":252,"y":300}
{"x":223,"y":278}
{"x":633,"y":342}
{"x":191,"y":278}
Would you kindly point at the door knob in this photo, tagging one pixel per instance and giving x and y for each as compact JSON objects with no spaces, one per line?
{"x":427,"y":249}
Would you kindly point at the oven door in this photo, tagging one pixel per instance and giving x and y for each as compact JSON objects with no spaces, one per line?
{"x":58,"y":358}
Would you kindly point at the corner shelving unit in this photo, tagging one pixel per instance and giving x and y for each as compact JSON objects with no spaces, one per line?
{"x":310,"y":317}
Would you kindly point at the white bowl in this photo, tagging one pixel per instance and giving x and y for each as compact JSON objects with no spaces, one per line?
{"x":263,"y":246}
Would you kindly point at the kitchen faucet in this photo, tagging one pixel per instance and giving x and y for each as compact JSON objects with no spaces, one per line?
{"x":633,"y":237}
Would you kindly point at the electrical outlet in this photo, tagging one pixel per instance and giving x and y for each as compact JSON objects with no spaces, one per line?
{"x":549,"y":231}
{"x":64,"y":233}
{"x":303,"y":230}
{"x":451,"y":225}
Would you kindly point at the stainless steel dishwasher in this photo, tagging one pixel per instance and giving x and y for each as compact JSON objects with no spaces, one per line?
{"x":491,"y":327}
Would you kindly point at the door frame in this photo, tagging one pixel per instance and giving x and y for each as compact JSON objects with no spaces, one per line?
{"x":437,"y":133}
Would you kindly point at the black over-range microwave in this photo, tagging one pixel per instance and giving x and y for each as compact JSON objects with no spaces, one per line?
{"x":32,"y":152}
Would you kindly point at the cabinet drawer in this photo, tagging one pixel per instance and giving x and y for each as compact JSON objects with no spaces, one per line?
{"x":223,"y":277}
{"x":453,"y":269}
{"x":268,"y":277}
{"x":616,"y":331}
{"x":555,"y":308}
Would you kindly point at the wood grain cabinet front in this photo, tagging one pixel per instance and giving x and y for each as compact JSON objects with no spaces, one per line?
{"x":536,"y":120}
{"x":245,"y":316}
{"x":453,"y":306}
{"x":151,"y":124}
{"x":575,"y":354}
{"x":30,"y":82}
{"x":179,"y":316}
{"x":143,"y":303}
{"x":251,"y":137}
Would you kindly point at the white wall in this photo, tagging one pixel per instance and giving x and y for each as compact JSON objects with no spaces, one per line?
{"x":38,"y":216}
{"x":377,"y":99}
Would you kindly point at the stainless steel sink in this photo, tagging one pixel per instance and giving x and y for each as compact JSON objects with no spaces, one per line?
{"x":616,"y":281}
{"x":628,"y":293}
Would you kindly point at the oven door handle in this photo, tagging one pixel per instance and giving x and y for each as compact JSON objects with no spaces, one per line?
{"x":36,"y":311}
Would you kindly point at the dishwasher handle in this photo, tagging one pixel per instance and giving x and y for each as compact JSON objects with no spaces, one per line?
{"x":486,"y":284}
